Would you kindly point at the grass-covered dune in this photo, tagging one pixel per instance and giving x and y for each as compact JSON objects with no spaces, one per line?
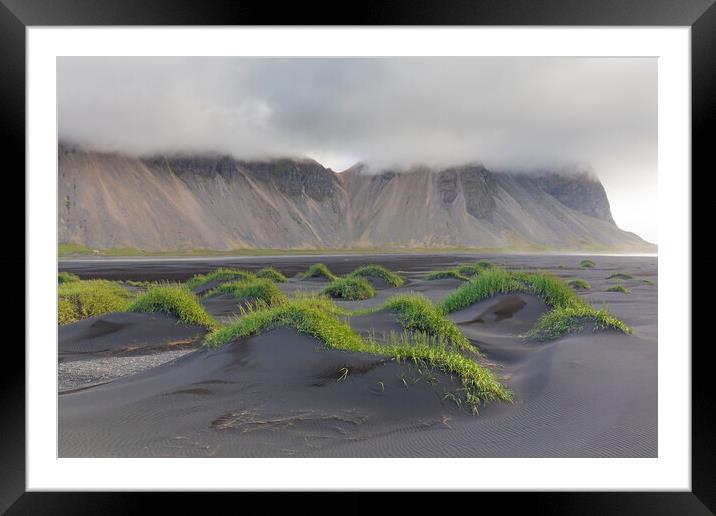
{"x":620,"y":276}
{"x":271,"y":274}
{"x":174,"y":300}
{"x":568,"y":311}
{"x":67,"y":277}
{"x":587,"y":264}
{"x":580,"y":284}
{"x":77,"y":300}
{"x":618,"y":288}
{"x":379,"y":272}
{"x":221,"y":274}
{"x":416,"y":313}
{"x":253,"y":290}
{"x":319,"y":270}
{"x":350,"y":289}
{"x":463,"y":271}
{"x":448,"y":274}
{"x":473,"y":269}
{"x":307,"y":316}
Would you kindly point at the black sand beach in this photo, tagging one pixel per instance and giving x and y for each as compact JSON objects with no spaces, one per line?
{"x":588,"y":394}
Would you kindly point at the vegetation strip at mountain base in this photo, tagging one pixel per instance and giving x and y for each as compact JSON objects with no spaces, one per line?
{"x":480,"y":384}
{"x":568,"y":312}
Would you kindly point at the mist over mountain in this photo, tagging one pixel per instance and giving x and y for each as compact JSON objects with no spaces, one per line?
{"x":213,"y":201}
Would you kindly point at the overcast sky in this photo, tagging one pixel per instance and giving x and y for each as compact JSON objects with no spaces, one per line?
{"x":508,"y":113}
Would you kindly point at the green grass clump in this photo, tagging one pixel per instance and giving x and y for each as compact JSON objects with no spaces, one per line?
{"x":79,"y":300}
{"x":490,"y":283}
{"x":271,"y":274}
{"x":350,"y":289}
{"x":620,"y":275}
{"x":417,"y":313}
{"x":618,"y":288}
{"x":568,"y":312}
{"x":263,"y":290}
{"x":220,"y":274}
{"x":467,"y":269}
{"x":318,"y":270}
{"x":67,"y":277}
{"x":648,"y":282}
{"x":587,"y":264}
{"x":479,"y":384}
{"x":174,"y":300}
{"x":560,"y":321}
{"x":302,"y":314}
{"x":321,"y":302}
{"x":451,"y":273}
{"x":580,"y":284}
{"x":378,"y":271}
{"x":143,"y":284}
{"x":473,"y":269}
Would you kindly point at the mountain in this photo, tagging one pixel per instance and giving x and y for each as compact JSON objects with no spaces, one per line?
{"x":217,"y":202}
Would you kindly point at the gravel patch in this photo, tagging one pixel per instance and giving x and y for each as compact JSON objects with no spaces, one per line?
{"x":85,"y":373}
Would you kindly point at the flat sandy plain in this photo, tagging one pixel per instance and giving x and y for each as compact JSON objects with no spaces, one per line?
{"x":592,"y":394}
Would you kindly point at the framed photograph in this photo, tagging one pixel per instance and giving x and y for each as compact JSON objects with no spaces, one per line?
{"x":429,"y":248}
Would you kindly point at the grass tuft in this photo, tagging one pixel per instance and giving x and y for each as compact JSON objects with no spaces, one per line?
{"x":318,"y":270}
{"x":451,"y":273}
{"x":220,"y":274}
{"x":271,"y":274}
{"x":562,"y":320}
{"x":303,"y":314}
{"x":473,"y":269}
{"x":580,"y":284}
{"x":620,"y":275}
{"x":67,"y":277}
{"x":587,"y":264}
{"x":480,"y":385}
{"x":417,"y":313}
{"x":568,"y":309}
{"x":350,"y":289}
{"x":79,"y":300}
{"x":378,"y":271}
{"x":174,"y":300}
{"x":263,"y":290}
{"x":618,"y":288}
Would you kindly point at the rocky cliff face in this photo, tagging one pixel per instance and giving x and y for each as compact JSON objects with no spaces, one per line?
{"x":217,"y":202}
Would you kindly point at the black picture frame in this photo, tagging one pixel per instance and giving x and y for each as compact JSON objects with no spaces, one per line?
{"x":17,"y":15}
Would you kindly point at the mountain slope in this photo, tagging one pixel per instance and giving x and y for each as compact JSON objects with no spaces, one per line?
{"x":216,"y":202}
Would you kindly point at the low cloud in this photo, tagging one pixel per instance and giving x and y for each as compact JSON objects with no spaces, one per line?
{"x":508,"y":113}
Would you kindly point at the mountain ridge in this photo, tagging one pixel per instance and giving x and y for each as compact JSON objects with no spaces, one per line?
{"x":208,"y":201}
